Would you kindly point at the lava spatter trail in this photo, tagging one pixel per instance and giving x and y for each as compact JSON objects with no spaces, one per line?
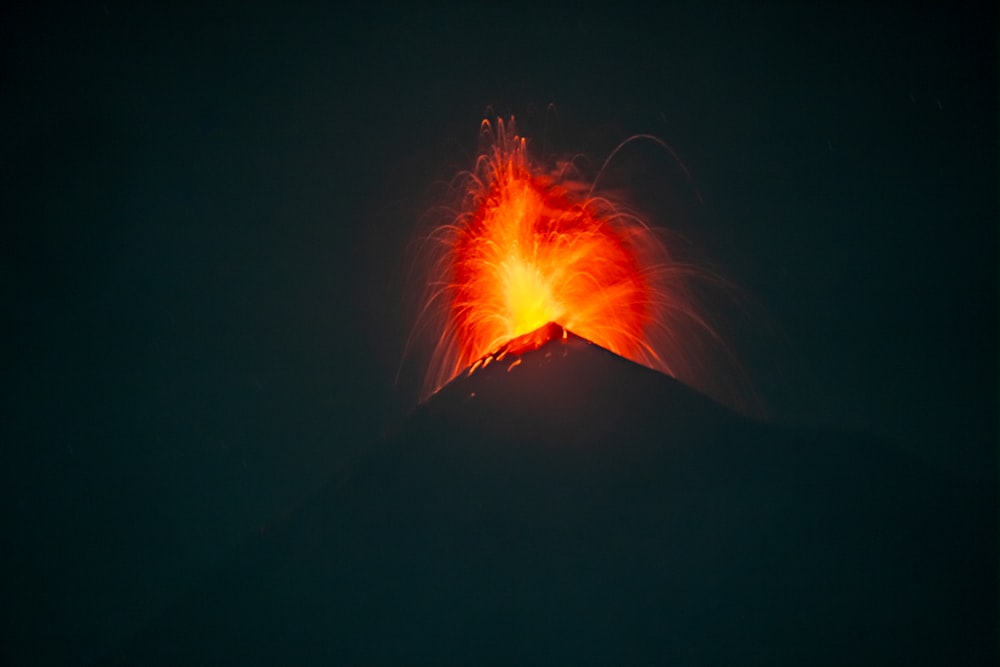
{"x":530,"y":244}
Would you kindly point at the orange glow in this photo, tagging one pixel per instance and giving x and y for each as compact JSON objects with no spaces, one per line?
{"x":530,"y":253}
{"x":529,"y":245}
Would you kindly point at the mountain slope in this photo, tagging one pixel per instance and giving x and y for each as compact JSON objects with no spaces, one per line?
{"x":562,"y":504}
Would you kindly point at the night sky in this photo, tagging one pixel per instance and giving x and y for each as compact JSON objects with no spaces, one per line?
{"x":207,"y":218}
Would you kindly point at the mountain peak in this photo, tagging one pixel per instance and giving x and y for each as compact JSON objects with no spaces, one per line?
{"x":553,"y":386}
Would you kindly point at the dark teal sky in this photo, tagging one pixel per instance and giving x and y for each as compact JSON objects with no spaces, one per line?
{"x":205,"y":214}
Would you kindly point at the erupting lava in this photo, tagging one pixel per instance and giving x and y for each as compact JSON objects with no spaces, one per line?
{"x":529,"y":252}
{"x":530,"y":245}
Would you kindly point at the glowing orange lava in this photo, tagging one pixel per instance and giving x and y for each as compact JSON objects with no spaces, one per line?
{"x":525,"y":244}
{"x":531,"y":247}
{"x":530,"y":252}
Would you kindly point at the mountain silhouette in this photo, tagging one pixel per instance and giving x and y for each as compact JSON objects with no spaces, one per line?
{"x":559,"y":504}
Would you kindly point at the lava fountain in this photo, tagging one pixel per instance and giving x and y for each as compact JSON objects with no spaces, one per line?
{"x":529,"y":245}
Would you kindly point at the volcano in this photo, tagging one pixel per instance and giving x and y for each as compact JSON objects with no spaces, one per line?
{"x":559,"y":504}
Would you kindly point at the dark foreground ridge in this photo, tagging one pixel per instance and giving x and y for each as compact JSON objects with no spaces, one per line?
{"x":562,"y":505}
